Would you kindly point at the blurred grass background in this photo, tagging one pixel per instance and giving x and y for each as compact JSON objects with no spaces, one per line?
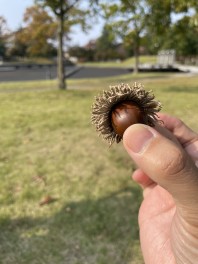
{"x":49,"y":148}
{"x":130,"y":62}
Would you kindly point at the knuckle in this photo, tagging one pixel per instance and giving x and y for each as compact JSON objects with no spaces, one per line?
{"x":174,"y":163}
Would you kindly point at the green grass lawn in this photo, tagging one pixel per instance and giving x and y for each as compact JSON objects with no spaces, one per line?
{"x":49,"y":148}
{"x":125,"y":63}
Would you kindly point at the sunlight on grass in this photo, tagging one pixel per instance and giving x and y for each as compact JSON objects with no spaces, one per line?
{"x":125,"y":63}
{"x":48,"y":147}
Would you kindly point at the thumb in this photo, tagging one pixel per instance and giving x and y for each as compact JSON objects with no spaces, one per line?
{"x":165,"y":162}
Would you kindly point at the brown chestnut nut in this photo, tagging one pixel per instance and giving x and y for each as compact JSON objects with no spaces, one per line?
{"x":124,"y":115}
{"x":121,"y":106}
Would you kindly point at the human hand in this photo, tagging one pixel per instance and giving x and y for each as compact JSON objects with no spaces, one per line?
{"x":168,"y":217}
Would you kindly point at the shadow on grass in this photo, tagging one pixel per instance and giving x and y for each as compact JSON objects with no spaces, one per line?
{"x":182,"y":89}
{"x":89,"y":231}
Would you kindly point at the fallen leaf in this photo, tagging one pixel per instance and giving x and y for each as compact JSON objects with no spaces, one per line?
{"x":47,"y":200}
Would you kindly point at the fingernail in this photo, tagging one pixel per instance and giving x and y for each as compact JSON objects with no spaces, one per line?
{"x":139,"y":138}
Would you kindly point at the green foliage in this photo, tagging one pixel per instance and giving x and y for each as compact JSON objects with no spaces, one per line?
{"x":164,"y":32}
{"x":185,"y":42}
{"x":183,"y":6}
{"x":2,"y":48}
{"x":68,"y":10}
{"x":158,"y":20}
{"x":128,"y":20}
{"x":126,"y":16}
{"x":58,"y":6}
{"x":105,"y":48}
{"x":82,"y":53}
{"x":106,"y":45}
{"x":151,"y":24}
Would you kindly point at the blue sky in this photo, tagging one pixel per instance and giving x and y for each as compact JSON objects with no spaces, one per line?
{"x":13,"y":11}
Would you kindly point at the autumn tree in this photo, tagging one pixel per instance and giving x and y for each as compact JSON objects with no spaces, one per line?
{"x":38,"y":32}
{"x":18,"y":46}
{"x":67,"y":13}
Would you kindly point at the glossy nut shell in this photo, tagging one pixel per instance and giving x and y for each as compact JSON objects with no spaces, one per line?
{"x":124,"y":115}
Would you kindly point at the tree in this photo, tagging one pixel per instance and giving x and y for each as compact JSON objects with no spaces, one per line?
{"x":105,"y":45}
{"x":18,"y":46}
{"x":164,"y":26}
{"x":38,"y":33}
{"x":183,"y":6}
{"x":185,"y":42}
{"x":158,"y":23}
{"x":67,"y":13}
{"x":3,"y":35}
{"x":86,"y":53}
{"x":127,"y":18}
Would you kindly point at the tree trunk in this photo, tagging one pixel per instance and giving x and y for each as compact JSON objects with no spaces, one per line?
{"x":61,"y":70}
{"x":136,"y":66}
{"x":136,"y":54}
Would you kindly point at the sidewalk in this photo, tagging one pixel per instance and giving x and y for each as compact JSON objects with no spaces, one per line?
{"x":191,"y":69}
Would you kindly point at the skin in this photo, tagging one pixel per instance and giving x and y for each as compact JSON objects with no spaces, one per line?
{"x":168,"y":174}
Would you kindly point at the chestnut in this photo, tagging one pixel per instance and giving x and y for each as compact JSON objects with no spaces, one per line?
{"x":124,"y":115}
{"x":121,"y":106}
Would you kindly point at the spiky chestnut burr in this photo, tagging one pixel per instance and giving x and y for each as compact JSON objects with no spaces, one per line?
{"x":121,"y":106}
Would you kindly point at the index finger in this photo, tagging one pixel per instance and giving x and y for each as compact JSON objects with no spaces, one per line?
{"x":181,"y":131}
{"x":186,"y":136}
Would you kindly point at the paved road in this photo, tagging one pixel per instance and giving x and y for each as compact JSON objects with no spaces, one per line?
{"x":73,"y":72}
{"x":186,"y":68}
{"x":45,"y":73}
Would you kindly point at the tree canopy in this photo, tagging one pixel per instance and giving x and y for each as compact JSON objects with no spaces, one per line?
{"x":127,"y":18}
{"x":38,"y":32}
{"x":67,"y":13}
{"x":133,"y":26}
